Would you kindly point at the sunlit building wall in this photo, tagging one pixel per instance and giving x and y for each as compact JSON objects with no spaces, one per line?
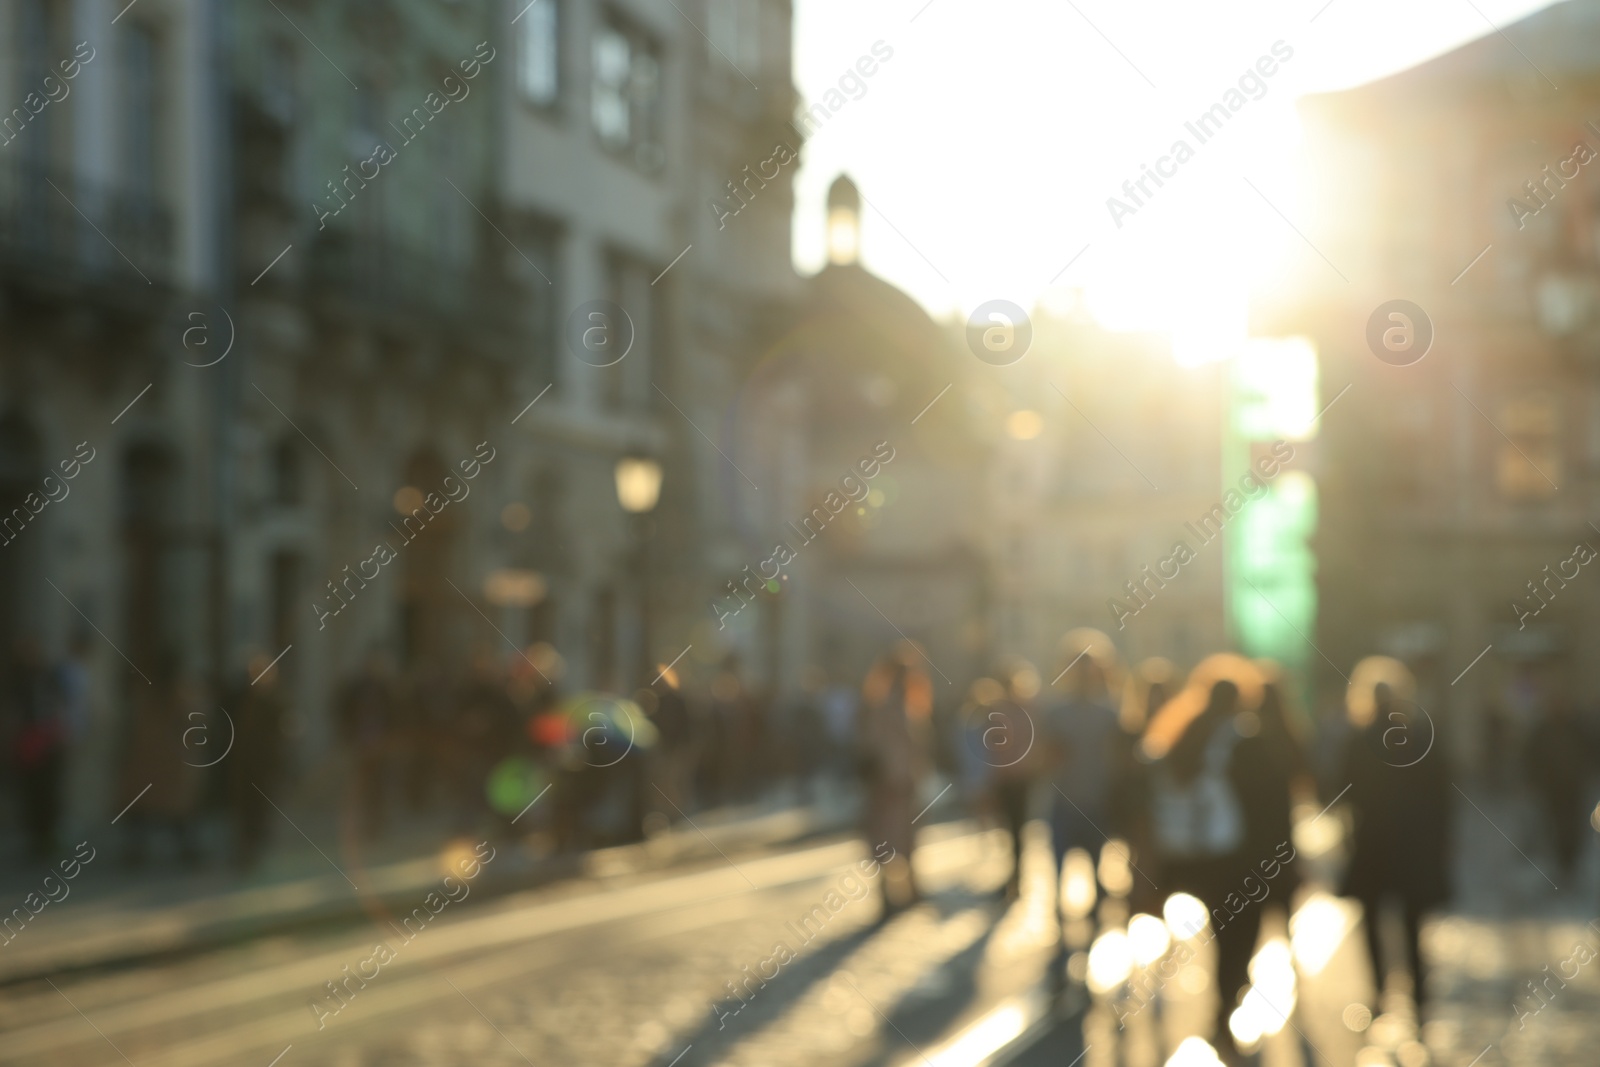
{"x":1124,"y":452}
{"x":1446,"y":486}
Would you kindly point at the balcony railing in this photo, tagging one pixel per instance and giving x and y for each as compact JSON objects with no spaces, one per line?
{"x":65,"y":228}
{"x":381,"y":275}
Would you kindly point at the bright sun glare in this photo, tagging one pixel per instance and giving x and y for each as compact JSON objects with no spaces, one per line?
{"x":988,"y":144}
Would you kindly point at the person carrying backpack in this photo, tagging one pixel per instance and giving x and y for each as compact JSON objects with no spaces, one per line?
{"x":1199,"y":823}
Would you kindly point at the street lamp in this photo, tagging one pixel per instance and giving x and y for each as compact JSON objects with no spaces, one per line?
{"x":638,"y":484}
{"x":638,"y":491}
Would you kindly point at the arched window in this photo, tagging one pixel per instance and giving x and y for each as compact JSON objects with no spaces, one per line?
{"x":287,"y":475}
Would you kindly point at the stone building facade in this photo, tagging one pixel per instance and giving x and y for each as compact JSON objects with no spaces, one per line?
{"x":302,"y":278}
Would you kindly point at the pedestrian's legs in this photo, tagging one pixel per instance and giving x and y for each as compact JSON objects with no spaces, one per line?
{"x":1563,"y":808}
{"x":185,"y":834}
{"x":41,"y":802}
{"x":1372,"y":920}
{"x":1413,"y":915}
{"x":250,"y":828}
{"x":1013,"y":798}
{"x":372,"y":790}
{"x":1236,"y":941}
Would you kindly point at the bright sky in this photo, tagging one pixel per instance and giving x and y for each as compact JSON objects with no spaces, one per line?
{"x":990,"y":141}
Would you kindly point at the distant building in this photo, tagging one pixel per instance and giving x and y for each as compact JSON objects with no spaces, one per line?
{"x":1103,"y":449}
{"x":1453,"y":489}
{"x":869,"y":473}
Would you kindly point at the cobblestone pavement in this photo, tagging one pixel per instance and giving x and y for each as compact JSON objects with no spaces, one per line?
{"x":634,"y":974}
{"x":1515,"y":972}
{"x":682,"y":970}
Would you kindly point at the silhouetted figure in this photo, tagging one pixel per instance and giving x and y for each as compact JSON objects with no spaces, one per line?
{"x":1146,"y":690}
{"x":732,"y":735}
{"x":422,"y":734}
{"x":891,"y":746}
{"x":486,"y":732}
{"x":1272,"y":765}
{"x":808,"y":735}
{"x":366,"y":726}
{"x":1202,"y":831}
{"x":676,"y":749}
{"x":1559,"y":759}
{"x":995,"y":739}
{"x":1401,"y":797}
{"x":155,"y":755}
{"x":1496,"y":726}
{"x":37,"y":734}
{"x":1082,"y":738}
{"x":258,"y":764}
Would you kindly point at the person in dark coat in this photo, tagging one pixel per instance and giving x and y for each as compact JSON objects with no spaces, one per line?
{"x":1399,"y":792}
{"x":1081,"y":737}
{"x":1559,"y":758}
{"x":1272,"y":769}
{"x":1148,"y":687}
{"x":487,"y":730}
{"x":366,"y":726}
{"x":676,"y":750}
{"x":1000,"y":739}
{"x":37,"y":736}
{"x":1200,"y":830}
{"x":260,"y":758}
{"x":892,"y":745}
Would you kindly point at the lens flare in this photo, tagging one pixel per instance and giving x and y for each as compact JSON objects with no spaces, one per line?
{"x":1317,"y":930}
{"x":1110,"y":961}
{"x":1185,"y":915}
{"x":1078,"y":890}
{"x":1148,"y":938}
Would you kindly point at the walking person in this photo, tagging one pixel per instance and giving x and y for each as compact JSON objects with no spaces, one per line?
{"x":1275,"y":770}
{"x":676,"y":725}
{"x":1558,"y":760}
{"x":366,"y":710}
{"x":486,"y":731}
{"x":1082,"y":735}
{"x":891,"y":745}
{"x":1399,"y":792}
{"x":1203,"y":750}
{"x":155,"y":756}
{"x":735,"y":752}
{"x":258,"y":768}
{"x":1009,"y":748}
{"x":1148,"y":687}
{"x":37,"y":733}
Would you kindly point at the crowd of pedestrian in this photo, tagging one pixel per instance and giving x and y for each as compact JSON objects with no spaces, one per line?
{"x":1196,"y":777}
{"x":1198,"y":780}
{"x":200,"y":765}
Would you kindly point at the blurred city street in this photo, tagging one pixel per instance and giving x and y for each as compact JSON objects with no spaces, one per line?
{"x":799,"y":533}
{"x":633,"y":966}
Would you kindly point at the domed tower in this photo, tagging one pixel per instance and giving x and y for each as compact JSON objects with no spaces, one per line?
{"x":876,"y":474}
{"x":844,"y":222}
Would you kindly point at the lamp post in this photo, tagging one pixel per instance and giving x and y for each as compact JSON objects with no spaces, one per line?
{"x":638,"y":491}
{"x":638,"y":484}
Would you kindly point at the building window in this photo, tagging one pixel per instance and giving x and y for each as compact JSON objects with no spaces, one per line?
{"x":453,"y":216}
{"x":734,"y":30}
{"x":626,"y":100}
{"x":1528,"y":465}
{"x":278,"y":96}
{"x":288,"y":483}
{"x":139,"y":108}
{"x":535,"y":265}
{"x":539,"y":59}
{"x":626,"y":385}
